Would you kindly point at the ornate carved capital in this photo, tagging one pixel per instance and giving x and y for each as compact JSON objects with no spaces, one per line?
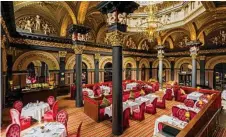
{"x":171,"y":59}
{"x":62,"y":53}
{"x":193,"y":55}
{"x":97,"y":56}
{"x":78,"y":49}
{"x":160,"y":56}
{"x":202,"y":57}
{"x":138,"y":58}
{"x":115,"y":38}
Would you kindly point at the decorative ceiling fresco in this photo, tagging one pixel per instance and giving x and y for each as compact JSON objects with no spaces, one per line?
{"x":53,"y":19}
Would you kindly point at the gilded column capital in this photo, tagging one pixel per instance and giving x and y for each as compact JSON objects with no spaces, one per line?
{"x":62,"y":53}
{"x":193,"y":55}
{"x":78,"y":49}
{"x":160,"y":56}
{"x":97,"y":56}
{"x":138,"y":58}
{"x":115,"y":38}
{"x":202,"y":57}
{"x":171,"y":59}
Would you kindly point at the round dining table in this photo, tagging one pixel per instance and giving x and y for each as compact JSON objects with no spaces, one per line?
{"x":50,"y":129}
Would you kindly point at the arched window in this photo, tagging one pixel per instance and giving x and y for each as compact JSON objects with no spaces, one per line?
{"x":185,"y":67}
{"x":128,"y":71}
{"x":108,"y":72}
{"x":220,"y":76}
{"x":143,"y":72}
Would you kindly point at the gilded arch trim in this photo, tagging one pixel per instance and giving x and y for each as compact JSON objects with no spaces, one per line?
{"x":23,"y":60}
{"x":165,"y":62}
{"x":181,"y":61}
{"x":104,"y":60}
{"x":70,"y":63}
{"x":210,"y":64}
{"x":145,"y":62}
{"x":129,"y":60}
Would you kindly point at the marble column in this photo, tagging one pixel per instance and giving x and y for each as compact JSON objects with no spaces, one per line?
{"x":160,"y":56}
{"x":114,"y":37}
{"x":62,"y":55}
{"x":96,"y":71}
{"x":79,"y":37}
{"x":194,"y":48}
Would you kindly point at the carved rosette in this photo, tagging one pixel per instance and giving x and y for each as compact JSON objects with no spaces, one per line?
{"x":114,"y":38}
{"x":78,"y":49}
{"x":97,"y":56}
{"x":62,"y":54}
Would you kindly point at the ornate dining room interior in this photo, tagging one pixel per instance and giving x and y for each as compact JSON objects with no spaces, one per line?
{"x":113,"y":68}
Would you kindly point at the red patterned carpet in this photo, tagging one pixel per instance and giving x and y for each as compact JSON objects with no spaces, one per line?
{"x":90,"y":128}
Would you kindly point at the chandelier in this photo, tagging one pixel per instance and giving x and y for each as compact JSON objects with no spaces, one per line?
{"x":149,"y":29}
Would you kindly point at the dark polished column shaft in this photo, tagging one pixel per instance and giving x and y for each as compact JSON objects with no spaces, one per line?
{"x":96,"y":73}
{"x":137,"y":70}
{"x":150,"y":72}
{"x":202,"y":71}
{"x":62,"y":71}
{"x":172,"y":69}
{"x":117,"y":113}
{"x":79,"y":97}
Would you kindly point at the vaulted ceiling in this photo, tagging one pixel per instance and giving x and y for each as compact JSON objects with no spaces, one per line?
{"x":59,"y":15}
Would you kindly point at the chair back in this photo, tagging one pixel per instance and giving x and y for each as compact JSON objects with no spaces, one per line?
{"x":18,"y":105}
{"x":51,"y":100}
{"x":181,"y":114}
{"x":13,"y":130}
{"x":62,"y":117}
{"x":154,"y":102}
{"x":142,"y":110}
{"x":192,"y":114}
{"x":79,"y":130}
{"x":164,"y":98}
{"x":55,"y":109}
{"x":189,"y":103}
{"x":169,"y":93}
{"x":126,"y":116}
{"x":15,"y":116}
{"x":175,"y":110}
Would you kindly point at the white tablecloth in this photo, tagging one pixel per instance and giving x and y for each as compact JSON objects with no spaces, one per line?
{"x":56,"y":129}
{"x":195,"y":109}
{"x":171,"y":120}
{"x":89,"y":91}
{"x":131,"y":85}
{"x":105,"y":89}
{"x":140,"y":100}
{"x":194,"y":95}
{"x":223,"y":94}
{"x":151,"y":97}
{"x":132,"y":105}
{"x":36,"y":111}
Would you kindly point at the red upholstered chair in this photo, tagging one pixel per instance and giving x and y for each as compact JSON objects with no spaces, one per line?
{"x":21,"y":121}
{"x":13,"y":130}
{"x":161,"y":103}
{"x":175,"y":110}
{"x":151,"y":108}
{"x":192,"y":114}
{"x":126,"y":116}
{"x":181,"y":114}
{"x":189,"y":103}
{"x":51,"y":114}
{"x":62,"y":117}
{"x":169,"y":94}
{"x":77,"y":134}
{"x":51,"y":101}
{"x":180,"y":96}
{"x":18,"y":105}
{"x":138,"y":114}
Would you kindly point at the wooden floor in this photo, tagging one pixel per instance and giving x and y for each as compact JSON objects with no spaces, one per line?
{"x":90,"y":128}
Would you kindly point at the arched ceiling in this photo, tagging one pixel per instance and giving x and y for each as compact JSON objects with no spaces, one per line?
{"x":59,"y":15}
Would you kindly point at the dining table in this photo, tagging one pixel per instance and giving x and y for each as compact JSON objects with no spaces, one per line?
{"x":50,"y":129}
{"x":170,"y":121}
{"x":194,"y":95}
{"x":35,"y":110}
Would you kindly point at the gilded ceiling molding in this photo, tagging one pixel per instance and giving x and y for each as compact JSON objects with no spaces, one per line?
{"x":64,"y":25}
{"x":210,"y":64}
{"x":104,"y":60}
{"x":20,"y":5}
{"x":165,"y":62}
{"x":145,"y":62}
{"x":170,"y":40}
{"x":82,"y":11}
{"x":208,"y":5}
{"x":23,"y":60}
{"x":4,"y":54}
{"x":192,"y":30}
{"x":173,"y":31}
{"x":130,"y":60}
{"x":88,"y":60}
{"x":184,"y":60}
